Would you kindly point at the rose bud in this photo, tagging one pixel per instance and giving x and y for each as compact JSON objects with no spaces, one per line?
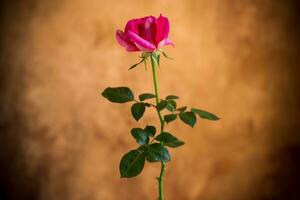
{"x":145,"y":34}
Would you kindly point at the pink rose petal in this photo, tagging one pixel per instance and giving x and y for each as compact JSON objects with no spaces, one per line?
{"x":127,"y":44}
{"x":142,"y":44}
{"x":162,"y":29}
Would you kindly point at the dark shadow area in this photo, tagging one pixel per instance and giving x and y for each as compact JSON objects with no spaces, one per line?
{"x":15,"y":184}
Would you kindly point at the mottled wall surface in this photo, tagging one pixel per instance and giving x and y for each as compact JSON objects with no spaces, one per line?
{"x":60,"y":140}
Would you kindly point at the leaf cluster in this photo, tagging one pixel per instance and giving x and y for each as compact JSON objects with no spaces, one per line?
{"x":152,"y":148}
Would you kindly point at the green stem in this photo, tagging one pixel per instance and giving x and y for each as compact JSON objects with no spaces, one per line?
{"x":162,"y":123}
{"x":160,"y":181}
{"x":153,"y":63}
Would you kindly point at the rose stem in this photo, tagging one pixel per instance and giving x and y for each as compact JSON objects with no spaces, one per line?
{"x":162,"y":123}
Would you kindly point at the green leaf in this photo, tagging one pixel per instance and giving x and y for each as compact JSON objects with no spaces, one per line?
{"x":182,"y":109}
{"x":143,"y":147}
{"x":161,"y":105}
{"x":145,"y":96}
{"x":140,"y":136}
{"x":188,"y":117}
{"x":169,"y":140}
{"x":171,"y":97}
{"x":157,"y":152}
{"x":150,"y":130}
{"x":132,"y":164}
{"x":137,"y":110}
{"x":204,"y":114}
{"x":170,"y":117}
{"x":118,"y":94}
{"x":171,"y":105}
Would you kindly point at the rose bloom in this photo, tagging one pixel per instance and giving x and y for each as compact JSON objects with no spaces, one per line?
{"x":145,"y":34}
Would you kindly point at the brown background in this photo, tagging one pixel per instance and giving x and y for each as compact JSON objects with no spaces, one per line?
{"x":60,"y":140}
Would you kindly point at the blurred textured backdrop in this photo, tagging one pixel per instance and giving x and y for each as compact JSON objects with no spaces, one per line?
{"x":60,"y":140}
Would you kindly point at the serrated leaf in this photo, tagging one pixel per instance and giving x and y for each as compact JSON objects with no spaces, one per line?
{"x":157,"y":152}
{"x":169,"y":140}
{"x":182,"y":109}
{"x":188,"y":117}
{"x":161,"y":105}
{"x":204,"y":114}
{"x":145,"y":96}
{"x":140,"y":135}
{"x":171,"y":105}
{"x":170,"y":117}
{"x":118,"y":94}
{"x":132,"y":164}
{"x":150,"y":130}
{"x":137,"y":110}
{"x":171,"y":97}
